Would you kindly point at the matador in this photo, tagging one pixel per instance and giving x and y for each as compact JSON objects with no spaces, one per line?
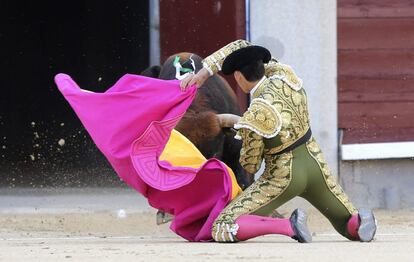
{"x":276,"y":128}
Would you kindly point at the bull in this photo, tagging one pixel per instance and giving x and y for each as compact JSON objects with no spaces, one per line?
{"x":209,"y":120}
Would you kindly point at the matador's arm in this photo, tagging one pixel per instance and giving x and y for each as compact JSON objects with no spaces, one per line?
{"x":251,"y":153}
{"x":214,"y":62}
{"x":260,"y":121}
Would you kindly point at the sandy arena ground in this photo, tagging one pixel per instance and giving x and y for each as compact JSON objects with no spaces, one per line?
{"x":117,"y":225}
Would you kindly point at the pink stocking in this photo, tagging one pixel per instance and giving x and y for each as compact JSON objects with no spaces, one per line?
{"x":251,"y":226}
{"x":353,"y":225}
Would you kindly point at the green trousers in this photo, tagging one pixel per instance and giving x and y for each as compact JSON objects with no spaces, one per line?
{"x":302,"y":172}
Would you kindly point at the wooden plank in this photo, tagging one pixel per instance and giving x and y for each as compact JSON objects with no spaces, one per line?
{"x":376,"y":115}
{"x":384,"y":64}
{"x":376,"y":33}
{"x":377,"y":135}
{"x":375,"y":90}
{"x":375,"y":8}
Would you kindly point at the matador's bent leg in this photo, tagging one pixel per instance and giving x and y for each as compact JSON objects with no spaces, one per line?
{"x":328,"y":197}
{"x":239,"y":220}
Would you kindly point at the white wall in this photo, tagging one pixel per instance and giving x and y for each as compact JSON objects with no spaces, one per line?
{"x":302,"y":33}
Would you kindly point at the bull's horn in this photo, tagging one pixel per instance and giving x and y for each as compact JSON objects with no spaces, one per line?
{"x":227,"y":120}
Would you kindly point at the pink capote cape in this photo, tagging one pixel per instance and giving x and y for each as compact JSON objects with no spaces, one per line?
{"x":130,"y":123}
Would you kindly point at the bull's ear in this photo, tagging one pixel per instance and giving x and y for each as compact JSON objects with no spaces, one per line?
{"x":152,"y":71}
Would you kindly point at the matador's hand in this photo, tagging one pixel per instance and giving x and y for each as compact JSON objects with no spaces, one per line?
{"x":197,"y":79}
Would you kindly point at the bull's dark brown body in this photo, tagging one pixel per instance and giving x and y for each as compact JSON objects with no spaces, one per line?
{"x":200,"y":123}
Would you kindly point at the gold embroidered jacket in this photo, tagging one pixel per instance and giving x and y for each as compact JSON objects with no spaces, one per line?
{"x":278,"y":114}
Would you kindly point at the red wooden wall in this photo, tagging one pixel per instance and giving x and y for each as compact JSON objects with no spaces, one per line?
{"x":201,"y":27}
{"x":376,"y":70}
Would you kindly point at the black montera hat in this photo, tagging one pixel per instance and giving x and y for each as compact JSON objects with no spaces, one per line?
{"x":243,"y":57}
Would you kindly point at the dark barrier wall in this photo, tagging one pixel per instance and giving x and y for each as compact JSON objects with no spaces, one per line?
{"x":201,"y":27}
{"x":42,"y":142}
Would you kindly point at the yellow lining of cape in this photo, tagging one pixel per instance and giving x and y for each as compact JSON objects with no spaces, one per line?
{"x":179,"y":151}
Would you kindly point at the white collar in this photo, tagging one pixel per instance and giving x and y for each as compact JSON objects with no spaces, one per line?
{"x":257,"y":85}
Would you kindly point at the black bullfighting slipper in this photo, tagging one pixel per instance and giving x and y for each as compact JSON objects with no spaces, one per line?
{"x":298,"y":220}
{"x":367,"y":225}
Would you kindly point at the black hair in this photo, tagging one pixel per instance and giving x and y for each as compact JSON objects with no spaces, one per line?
{"x":253,"y":71}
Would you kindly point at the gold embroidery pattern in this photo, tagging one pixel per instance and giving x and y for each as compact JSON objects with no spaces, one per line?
{"x":251,"y":151}
{"x":215,"y":61}
{"x":292,"y":106}
{"x":274,"y":181}
{"x":262,"y":118}
{"x":316,"y":153}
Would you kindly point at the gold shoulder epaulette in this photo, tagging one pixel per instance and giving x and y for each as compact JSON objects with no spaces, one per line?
{"x":262,"y":118}
{"x":277,"y":70}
